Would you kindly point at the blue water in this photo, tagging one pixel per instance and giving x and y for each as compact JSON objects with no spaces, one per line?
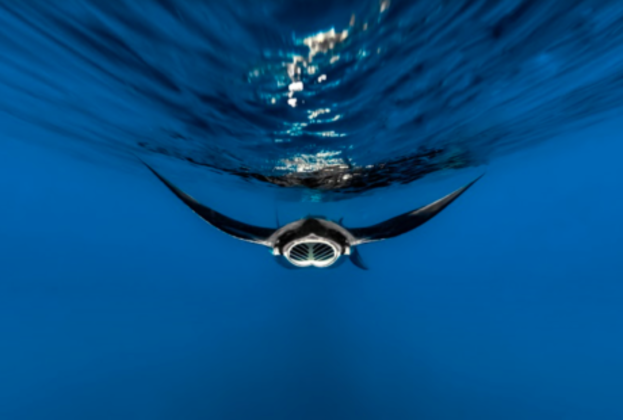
{"x":118,"y":302}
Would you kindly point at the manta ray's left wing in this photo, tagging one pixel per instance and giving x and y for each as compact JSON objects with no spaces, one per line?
{"x":407,"y":221}
{"x":355,"y":258}
{"x":239,"y":230}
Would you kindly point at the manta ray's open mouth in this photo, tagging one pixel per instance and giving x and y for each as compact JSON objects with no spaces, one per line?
{"x":317,"y":252}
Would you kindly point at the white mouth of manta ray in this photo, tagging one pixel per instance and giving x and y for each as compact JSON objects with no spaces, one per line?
{"x":312,"y":251}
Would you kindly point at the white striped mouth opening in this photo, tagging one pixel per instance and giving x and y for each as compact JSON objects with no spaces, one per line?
{"x":312,"y":251}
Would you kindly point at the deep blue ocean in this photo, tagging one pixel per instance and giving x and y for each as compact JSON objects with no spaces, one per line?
{"x":117,"y":302}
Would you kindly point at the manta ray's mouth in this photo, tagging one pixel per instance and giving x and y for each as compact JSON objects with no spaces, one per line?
{"x":312,"y":251}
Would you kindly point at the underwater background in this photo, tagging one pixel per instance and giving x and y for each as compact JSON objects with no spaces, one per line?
{"x":117,"y":302}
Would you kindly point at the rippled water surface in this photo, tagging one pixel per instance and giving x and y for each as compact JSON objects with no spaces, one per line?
{"x":344,"y":96}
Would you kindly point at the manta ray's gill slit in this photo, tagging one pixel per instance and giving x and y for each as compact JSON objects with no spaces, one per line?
{"x":319,"y":251}
{"x":299,"y":252}
{"x":322,"y":251}
{"x":299,"y":256}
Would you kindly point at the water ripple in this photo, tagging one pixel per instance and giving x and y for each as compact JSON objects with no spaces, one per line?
{"x":344,"y":96}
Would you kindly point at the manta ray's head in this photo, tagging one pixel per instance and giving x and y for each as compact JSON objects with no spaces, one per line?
{"x":311,"y":242}
{"x":315,"y":241}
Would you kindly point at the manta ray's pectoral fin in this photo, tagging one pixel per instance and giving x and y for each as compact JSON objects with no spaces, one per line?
{"x":407,"y":221}
{"x":230,"y":226}
{"x":355,"y":258}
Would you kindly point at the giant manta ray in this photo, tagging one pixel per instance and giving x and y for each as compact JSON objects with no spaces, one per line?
{"x":315,"y":241}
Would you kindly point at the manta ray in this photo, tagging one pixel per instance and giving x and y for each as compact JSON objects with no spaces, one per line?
{"x":315,"y":241}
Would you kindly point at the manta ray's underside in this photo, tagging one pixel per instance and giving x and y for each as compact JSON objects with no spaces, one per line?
{"x":314,"y":241}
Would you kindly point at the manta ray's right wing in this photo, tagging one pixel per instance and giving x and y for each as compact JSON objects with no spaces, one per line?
{"x":239,"y":230}
{"x":407,"y":221}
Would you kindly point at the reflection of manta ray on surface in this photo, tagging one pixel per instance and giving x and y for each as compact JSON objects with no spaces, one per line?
{"x":315,"y":241}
